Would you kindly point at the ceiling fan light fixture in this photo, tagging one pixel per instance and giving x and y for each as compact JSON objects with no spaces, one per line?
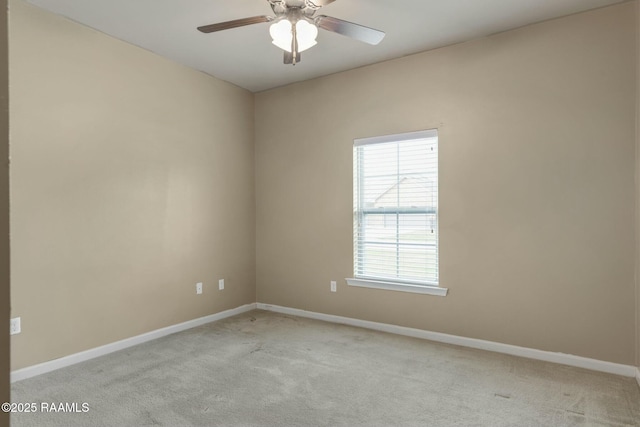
{"x":282,"y":34}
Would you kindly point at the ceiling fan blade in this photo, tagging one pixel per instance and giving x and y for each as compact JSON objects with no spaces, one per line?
{"x":288,"y":58}
{"x":234,"y":24}
{"x":349,"y":29}
{"x":320,"y":3}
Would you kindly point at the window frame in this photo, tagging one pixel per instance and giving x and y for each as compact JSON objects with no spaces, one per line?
{"x":403,"y":285}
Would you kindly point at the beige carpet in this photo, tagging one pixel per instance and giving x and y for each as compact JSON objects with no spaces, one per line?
{"x":262,"y":368}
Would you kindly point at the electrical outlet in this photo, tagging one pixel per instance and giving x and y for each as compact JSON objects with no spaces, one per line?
{"x":221,"y":284}
{"x":199,"y":288}
{"x":14,"y":326}
{"x":334,"y":286}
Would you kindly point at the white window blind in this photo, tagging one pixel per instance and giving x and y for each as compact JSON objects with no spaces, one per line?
{"x":396,"y":208}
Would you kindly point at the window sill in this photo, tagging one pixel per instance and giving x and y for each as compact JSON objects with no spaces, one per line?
{"x":402,"y":287}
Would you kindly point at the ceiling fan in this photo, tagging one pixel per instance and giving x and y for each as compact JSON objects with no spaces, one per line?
{"x":295,"y":26}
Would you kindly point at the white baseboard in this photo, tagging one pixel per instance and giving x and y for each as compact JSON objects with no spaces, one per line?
{"x":52,"y":365}
{"x":530,"y":353}
{"x":561,"y":358}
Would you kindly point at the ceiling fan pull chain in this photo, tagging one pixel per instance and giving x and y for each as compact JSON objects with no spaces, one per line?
{"x":294,"y":43}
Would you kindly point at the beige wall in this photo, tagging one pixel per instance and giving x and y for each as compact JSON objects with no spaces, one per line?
{"x":132,"y":179}
{"x":4,"y":214}
{"x":537,"y":141}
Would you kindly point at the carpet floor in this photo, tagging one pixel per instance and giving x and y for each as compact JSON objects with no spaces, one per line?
{"x":267,"y":369}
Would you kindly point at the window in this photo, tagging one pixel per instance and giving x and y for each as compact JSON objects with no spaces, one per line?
{"x":396,"y":212}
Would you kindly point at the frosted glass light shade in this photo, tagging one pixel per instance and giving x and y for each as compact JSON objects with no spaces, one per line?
{"x":307,"y":34}
{"x":282,"y":35}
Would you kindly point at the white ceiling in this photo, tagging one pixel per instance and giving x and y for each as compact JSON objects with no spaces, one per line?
{"x":246,"y":57}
